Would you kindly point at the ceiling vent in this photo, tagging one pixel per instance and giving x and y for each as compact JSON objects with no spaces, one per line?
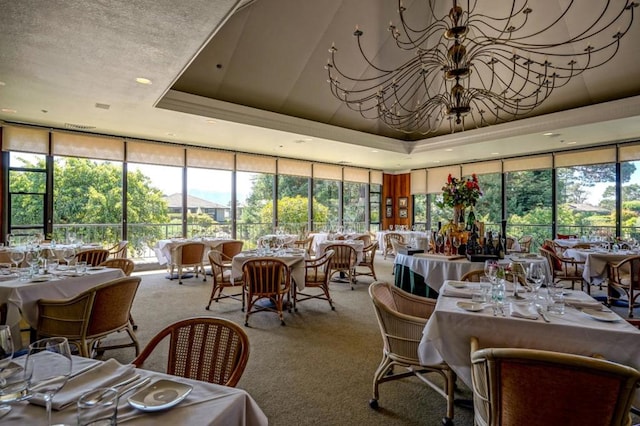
{"x":102,"y":106}
{"x":78,"y":126}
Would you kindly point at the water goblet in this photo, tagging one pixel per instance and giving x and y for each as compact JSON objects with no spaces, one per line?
{"x":6,"y":355}
{"x":32,"y":259}
{"x":17,"y":256}
{"x":47,"y":368}
{"x":68,"y":254}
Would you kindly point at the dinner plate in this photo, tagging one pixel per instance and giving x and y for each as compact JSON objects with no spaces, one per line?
{"x":160,"y":395}
{"x":470,"y":306}
{"x":606,"y":316}
{"x":95,"y":268}
{"x":40,"y":279}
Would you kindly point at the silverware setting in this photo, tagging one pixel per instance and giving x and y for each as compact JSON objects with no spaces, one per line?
{"x":543,"y":314}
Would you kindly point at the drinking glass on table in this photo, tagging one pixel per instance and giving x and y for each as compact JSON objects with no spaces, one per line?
{"x":491,"y":270}
{"x":68,"y":254}
{"x":455,"y":241}
{"x":17,"y":256}
{"x":535,"y":277}
{"x":48,"y":368}
{"x":6,"y":355}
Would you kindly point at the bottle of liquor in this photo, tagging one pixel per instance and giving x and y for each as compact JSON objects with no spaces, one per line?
{"x":488,"y":248}
{"x":447,"y":245}
{"x":471,"y":220}
{"x":500,"y":247}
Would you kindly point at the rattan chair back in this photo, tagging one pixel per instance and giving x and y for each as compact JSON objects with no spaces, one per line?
{"x":209,"y":349}
{"x":93,"y":257}
{"x":265,"y":278}
{"x":230,"y":249}
{"x":316,"y":276}
{"x":126,"y":265}
{"x":388,"y":245}
{"x":504,"y":380}
{"x":624,"y":276}
{"x":90,"y":316}
{"x":221,"y":277}
{"x":367,"y":262}
{"x":402,"y":317}
{"x":343,"y":261}
{"x":366,"y":238}
{"x":119,"y":251}
{"x":188,"y":255}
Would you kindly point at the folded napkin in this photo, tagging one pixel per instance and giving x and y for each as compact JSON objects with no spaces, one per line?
{"x":464,"y":293}
{"x":8,"y":277}
{"x":524,"y":311}
{"x":582,"y":303}
{"x":105,"y":374}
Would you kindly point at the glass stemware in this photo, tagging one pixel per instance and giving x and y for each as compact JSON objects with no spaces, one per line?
{"x":17,"y":256}
{"x":48,"y":368}
{"x":536,"y":277}
{"x":68,"y":254}
{"x":455,"y":241}
{"x":6,"y":355}
{"x":491,"y":270}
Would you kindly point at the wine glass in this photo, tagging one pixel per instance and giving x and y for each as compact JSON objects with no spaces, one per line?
{"x":455,"y":241}
{"x":491,"y":270}
{"x":535,"y":276}
{"x":48,"y":368}
{"x":32,"y":257}
{"x":68,"y":254}
{"x":17,"y":256}
{"x":6,"y":355}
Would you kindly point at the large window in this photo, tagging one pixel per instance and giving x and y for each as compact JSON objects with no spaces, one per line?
{"x":87,"y":200}
{"x":326,"y":196}
{"x":27,"y":191}
{"x":420,"y":211}
{"x":293,"y":204}
{"x":489,"y":206}
{"x":354,"y":206}
{"x":208,"y":203}
{"x":375,"y":207}
{"x":630,"y":214}
{"x":255,"y":206}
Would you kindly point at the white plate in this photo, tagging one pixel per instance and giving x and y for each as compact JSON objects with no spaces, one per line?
{"x":41,"y":279}
{"x":470,"y":306}
{"x":457,"y":284}
{"x":95,"y":268}
{"x":606,"y":316}
{"x":160,"y":395}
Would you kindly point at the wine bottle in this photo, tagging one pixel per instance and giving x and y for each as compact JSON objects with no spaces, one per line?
{"x":447,"y":245}
{"x":471,"y":220}
{"x":500,"y":247}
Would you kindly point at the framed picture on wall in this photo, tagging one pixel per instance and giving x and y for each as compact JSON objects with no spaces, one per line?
{"x":389,"y":211}
{"x":403,"y":202}
{"x":389,"y":201}
{"x":402,"y":213}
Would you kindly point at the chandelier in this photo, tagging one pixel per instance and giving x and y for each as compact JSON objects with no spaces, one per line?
{"x":468,"y":69}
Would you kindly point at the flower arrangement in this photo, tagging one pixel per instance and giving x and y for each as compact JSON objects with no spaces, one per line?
{"x":460,"y":192}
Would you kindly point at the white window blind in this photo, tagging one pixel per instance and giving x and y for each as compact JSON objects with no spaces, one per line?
{"x":25,"y":139}
{"x":583,"y":158}
{"x":151,"y":153}
{"x":351,"y":174}
{"x":418,"y":181}
{"x":210,"y":159}
{"x":294,"y":167}
{"x":255,"y":164}
{"x":528,"y":163}
{"x":376,"y":177}
{"x":629,"y":152}
{"x":482,"y":168}
{"x":437,"y":177}
{"x":86,"y":146}
{"x":327,"y":171}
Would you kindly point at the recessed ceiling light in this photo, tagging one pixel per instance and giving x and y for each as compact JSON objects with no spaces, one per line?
{"x":211,"y":121}
{"x":495,"y":153}
{"x":374,"y":150}
{"x":9,"y":110}
{"x":2,"y":83}
{"x":448,"y":149}
{"x":435,"y":161}
{"x":572,"y":143}
{"x":143,"y":80}
{"x":171,"y":134}
{"x":551,"y":134}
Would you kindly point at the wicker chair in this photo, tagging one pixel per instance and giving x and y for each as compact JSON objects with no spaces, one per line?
{"x":368,"y":257}
{"x":388,"y":246}
{"x":213,"y":350}
{"x":230,"y":249}
{"x":624,"y":276}
{"x":343,"y":261}
{"x":306,"y":244}
{"x":187,"y":255}
{"x":221,"y":275}
{"x":93,"y":257}
{"x":535,"y":387}
{"x":127,"y":266}
{"x":525,"y":243}
{"x":402,"y":317}
{"x":316,"y":276}
{"x":91,"y":316}
{"x":265,"y":278}
{"x":119,"y":251}
{"x":366,"y":238}
{"x":475,"y":276}
{"x":565,"y":269}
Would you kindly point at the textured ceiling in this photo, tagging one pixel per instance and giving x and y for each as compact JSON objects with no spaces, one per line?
{"x":269,"y":95}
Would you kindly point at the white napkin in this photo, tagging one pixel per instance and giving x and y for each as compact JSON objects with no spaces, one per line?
{"x":464,"y":293}
{"x":106,"y":374}
{"x":582,"y":303}
{"x":524,"y":311}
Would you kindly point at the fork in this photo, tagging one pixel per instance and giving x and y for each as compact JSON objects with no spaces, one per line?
{"x":543,"y":314}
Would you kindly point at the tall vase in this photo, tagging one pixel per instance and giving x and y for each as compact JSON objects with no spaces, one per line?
{"x":458,"y":214}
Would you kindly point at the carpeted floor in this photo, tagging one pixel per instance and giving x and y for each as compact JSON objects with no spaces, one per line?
{"x":317,"y":369}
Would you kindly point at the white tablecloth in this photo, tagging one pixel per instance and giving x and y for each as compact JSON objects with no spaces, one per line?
{"x":571,"y":242}
{"x":407,"y":235}
{"x":447,"y":335}
{"x":207,"y":404}
{"x":321,"y":237}
{"x":163,"y":248}
{"x":595,"y":262}
{"x":293,"y":259}
{"x":437,"y":268}
{"x":22,"y":297}
{"x":358,"y":245}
